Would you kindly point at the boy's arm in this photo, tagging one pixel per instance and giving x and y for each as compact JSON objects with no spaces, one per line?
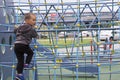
{"x":35,"y":34}
{"x":15,"y":29}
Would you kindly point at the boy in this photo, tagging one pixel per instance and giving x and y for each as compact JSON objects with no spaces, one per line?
{"x":24,"y":35}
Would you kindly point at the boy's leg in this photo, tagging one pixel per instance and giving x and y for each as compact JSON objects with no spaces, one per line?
{"x":29,"y":56}
{"x":19,"y":51}
{"x":20,"y":63}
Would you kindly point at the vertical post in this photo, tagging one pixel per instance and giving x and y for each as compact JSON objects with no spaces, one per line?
{"x":91,"y":50}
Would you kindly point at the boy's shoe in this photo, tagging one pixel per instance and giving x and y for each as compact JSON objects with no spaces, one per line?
{"x":28,"y":66}
{"x":20,"y":77}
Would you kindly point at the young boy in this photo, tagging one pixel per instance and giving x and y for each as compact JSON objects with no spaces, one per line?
{"x":24,"y":35}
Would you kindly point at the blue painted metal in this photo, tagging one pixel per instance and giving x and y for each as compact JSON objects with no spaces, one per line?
{"x":5,"y":35}
{"x":8,"y":56}
{"x":67,"y":63}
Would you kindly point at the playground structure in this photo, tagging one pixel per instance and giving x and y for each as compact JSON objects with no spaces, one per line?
{"x":53,"y":60}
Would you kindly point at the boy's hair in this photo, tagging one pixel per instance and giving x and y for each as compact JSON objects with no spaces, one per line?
{"x":28,"y":15}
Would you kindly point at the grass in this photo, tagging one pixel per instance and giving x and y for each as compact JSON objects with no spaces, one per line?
{"x":63,"y":41}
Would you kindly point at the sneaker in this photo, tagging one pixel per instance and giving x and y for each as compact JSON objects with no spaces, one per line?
{"x":20,"y":77}
{"x":28,"y":66}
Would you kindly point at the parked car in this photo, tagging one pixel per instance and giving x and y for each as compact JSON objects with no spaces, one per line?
{"x":44,"y":36}
{"x":107,"y":34}
{"x":72,"y":34}
{"x":86,"y":34}
{"x":62,"y":34}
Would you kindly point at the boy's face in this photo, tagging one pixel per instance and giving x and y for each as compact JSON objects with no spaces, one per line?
{"x":32,"y":20}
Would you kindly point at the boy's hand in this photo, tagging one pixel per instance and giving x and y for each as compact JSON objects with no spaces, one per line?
{"x":15,"y":26}
{"x":35,"y":27}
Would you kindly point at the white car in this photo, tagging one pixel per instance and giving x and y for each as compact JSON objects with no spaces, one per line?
{"x":107,"y":34}
{"x":62,"y":34}
{"x":87,"y":34}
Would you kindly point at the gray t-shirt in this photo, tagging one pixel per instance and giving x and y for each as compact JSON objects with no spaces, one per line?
{"x":24,"y":34}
